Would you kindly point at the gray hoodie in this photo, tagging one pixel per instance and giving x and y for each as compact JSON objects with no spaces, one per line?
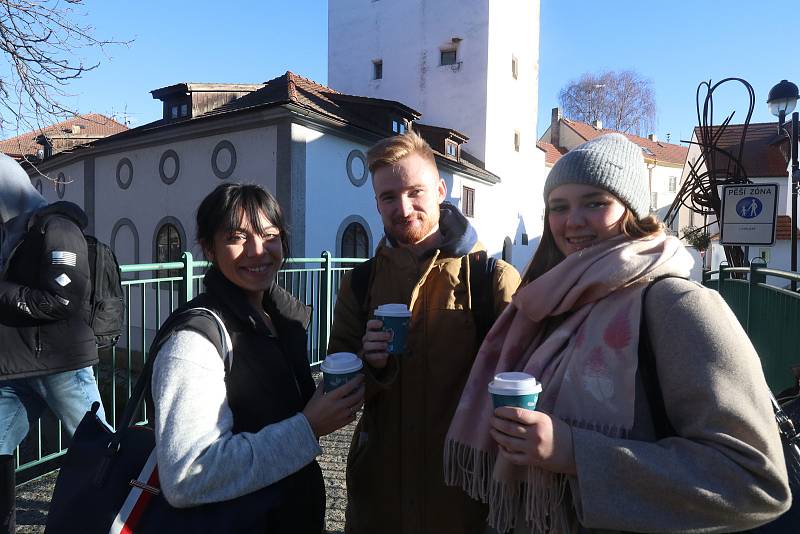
{"x":18,"y":201}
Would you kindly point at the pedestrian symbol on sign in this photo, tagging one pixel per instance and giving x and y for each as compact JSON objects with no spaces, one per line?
{"x":749,"y":207}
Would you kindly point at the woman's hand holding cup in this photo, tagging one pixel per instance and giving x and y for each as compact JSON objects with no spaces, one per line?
{"x":527,"y":437}
{"x":328,"y":412}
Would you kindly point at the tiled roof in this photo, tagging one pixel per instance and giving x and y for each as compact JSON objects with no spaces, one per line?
{"x":93,"y":126}
{"x":783,"y":229}
{"x":761,"y":155}
{"x":293,"y":89}
{"x":552,"y":153}
{"x":373,"y":115}
{"x":659,"y":150}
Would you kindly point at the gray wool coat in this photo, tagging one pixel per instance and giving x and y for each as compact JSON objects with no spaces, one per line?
{"x":725,"y":470}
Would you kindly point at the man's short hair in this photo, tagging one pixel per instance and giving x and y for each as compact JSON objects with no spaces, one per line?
{"x":390,"y":150}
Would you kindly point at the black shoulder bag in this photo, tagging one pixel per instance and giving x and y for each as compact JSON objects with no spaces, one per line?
{"x":109,"y":480}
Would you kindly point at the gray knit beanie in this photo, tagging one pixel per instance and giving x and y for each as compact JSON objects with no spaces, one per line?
{"x":610,"y":162}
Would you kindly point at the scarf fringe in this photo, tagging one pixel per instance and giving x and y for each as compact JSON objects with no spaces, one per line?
{"x":542,"y":493}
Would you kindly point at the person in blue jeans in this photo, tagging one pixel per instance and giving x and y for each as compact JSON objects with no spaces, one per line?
{"x":48,"y":347}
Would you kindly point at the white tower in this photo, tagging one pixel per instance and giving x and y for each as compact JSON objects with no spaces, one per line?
{"x":468,"y":65}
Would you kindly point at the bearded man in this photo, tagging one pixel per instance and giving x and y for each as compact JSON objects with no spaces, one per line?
{"x":394,"y":468}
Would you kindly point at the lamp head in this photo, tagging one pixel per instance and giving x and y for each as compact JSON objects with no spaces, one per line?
{"x":782,"y":98}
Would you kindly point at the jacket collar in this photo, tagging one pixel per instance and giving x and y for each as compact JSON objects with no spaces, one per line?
{"x":458,"y":235}
{"x":278,"y":302}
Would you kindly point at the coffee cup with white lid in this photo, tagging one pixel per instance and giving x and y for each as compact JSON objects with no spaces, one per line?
{"x":396,"y":318}
{"x":339,"y":368}
{"x":515,"y":389}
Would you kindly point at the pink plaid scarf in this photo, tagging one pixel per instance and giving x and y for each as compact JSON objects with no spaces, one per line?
{"x":587,"y":366}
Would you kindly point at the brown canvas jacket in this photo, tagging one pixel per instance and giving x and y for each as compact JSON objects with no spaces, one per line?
{"x":394,"y":468}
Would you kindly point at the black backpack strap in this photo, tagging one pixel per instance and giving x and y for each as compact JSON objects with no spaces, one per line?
{"x":481,"y":271}
{"x":360,"y":278}
{"x":648,"y":371}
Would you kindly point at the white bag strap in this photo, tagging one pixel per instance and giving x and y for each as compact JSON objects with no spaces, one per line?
{"x":227,"y":344}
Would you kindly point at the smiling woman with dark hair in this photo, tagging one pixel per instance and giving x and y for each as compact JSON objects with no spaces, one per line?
{"x":247,"y":427}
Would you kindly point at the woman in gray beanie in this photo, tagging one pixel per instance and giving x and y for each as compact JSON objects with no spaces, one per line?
{"x":653,"y":416}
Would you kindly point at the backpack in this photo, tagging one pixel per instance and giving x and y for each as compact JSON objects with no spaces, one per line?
{"x":106,"y":299}
{"x":481,"y":270}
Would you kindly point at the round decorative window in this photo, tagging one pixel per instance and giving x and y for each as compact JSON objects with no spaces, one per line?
{"x":223,"y":159}
{"x":38,"y":186}
{"x":357,"y":170}
{"x":169,"y":167}
{"x":61,"y":185}
{"x":124,"y":173}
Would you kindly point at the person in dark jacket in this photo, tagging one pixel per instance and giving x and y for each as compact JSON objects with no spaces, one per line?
{"x":243,"y":432}
{"x":48,"y":347}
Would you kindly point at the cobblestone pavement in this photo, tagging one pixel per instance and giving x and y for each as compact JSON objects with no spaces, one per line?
{"x":33,"y":498}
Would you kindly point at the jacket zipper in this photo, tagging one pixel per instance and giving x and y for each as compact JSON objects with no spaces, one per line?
{"x":38,"y":342}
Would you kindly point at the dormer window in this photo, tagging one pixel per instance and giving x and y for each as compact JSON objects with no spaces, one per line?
{"x":398,"y":126}
{"x":451,"y":148}
{"x":178,"y":110}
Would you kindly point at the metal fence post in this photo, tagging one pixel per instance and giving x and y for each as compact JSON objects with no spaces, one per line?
{"x":754,"y":278}
{"x":187,"y":283}
{"x":325,"y":304}
{"x":723,"y":274}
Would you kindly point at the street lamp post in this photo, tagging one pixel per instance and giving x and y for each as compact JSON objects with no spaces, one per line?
{"x":782,"y":100}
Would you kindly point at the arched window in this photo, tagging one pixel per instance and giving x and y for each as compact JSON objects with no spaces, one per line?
{"x":168,"y":247}
{"x":355,"y":243}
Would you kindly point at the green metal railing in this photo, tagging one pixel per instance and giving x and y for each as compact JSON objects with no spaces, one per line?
{"x":769,"y":313}
{"x":152,"y":291}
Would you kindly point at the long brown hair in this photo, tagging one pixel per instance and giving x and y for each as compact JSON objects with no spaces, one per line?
{"x":548,"y":256}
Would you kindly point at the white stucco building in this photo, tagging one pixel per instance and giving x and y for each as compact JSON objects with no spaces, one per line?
{"x":468,"y":65}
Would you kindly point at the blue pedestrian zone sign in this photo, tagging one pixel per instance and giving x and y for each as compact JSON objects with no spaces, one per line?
{"x":749,"y":207}
{"x":749,"y":213}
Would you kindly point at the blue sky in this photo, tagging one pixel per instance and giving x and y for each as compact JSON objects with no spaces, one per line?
{"x":675,"y":44}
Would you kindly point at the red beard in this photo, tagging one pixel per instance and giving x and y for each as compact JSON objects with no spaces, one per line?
{"x":412,"y":230}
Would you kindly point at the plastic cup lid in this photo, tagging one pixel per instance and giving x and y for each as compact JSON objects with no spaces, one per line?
{"x":341,"y":363}
{"x":514,"y":384}
{"x":393,"y":310}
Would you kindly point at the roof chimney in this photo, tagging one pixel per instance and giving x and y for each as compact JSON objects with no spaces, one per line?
{"x":76,"y":128}
{"x":597,"y":124}
{"x":555,"y":127}
{"x":653,"y":138}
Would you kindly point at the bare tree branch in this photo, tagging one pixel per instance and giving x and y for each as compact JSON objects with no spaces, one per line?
{"x":43,"y":42}
{"x":622,"y":100}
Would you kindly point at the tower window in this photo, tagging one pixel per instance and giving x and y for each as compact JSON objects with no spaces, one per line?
{"x":377,"y":69}
{"x":514,"y":67}
{"x":516,"y":140}
{"x":448,"y":57}
{"x":468,"y":201}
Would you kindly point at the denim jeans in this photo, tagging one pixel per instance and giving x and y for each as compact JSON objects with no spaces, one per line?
{"x":69,"y":395}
